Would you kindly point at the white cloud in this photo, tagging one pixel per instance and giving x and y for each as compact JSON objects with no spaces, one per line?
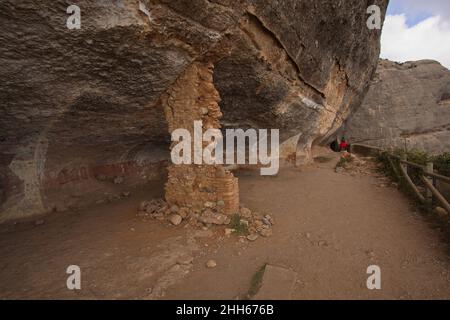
{"x":429,"y":39}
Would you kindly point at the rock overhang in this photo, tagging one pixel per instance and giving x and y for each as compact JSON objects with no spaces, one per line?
{"x":74,"y":100}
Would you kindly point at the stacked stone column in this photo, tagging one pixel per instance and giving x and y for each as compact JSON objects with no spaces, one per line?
{"x":193,"y":97}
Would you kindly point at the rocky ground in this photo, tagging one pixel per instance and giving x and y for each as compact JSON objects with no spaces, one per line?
{"x":246,"y":223}
{"x":329,"y":227}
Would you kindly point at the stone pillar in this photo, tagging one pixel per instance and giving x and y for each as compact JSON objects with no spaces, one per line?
{"x":193,"y":97}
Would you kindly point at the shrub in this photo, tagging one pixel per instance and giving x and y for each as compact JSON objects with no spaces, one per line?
{"x":239,"y":228}
{"x":442,"y":164}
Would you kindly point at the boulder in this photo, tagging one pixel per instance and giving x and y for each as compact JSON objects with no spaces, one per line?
{"x":175,"y":219}
{"x":407,"y":104}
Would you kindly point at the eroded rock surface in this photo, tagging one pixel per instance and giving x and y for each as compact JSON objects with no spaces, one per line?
{"x":83,"y":107}
{"x":407,"y":104}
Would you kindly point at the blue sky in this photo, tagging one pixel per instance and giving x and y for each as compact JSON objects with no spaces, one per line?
{"x":411,"y":18}
{"x":419,"y":10}
{"x":417,"y":29}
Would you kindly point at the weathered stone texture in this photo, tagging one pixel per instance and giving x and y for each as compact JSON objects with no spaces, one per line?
{"x":407,"y":103}
{"x":193,"y":97}
{"x":299,"y":66}
{"x":74,"y":100}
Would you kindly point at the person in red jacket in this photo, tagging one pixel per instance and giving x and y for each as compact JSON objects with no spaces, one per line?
{"x":343,"y":146}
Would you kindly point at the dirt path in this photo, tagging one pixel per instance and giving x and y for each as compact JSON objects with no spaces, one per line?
{"x":329,"y":228}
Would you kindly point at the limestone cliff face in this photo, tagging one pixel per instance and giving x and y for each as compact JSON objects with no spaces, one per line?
{"x":407,"y":103}
{"x":80,"y":108}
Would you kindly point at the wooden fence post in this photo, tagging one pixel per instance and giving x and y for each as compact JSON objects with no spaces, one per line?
{"x":404,"y":170}
{"x":429,"y":178}
{"x":404,"y":165}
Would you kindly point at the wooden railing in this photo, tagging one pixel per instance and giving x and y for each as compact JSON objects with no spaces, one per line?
{"x":427,"y":175}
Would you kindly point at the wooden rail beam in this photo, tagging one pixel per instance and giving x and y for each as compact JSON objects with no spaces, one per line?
{"x":412,"y":185}
{"x":412,"y":164}
{"x":437,"y":194}
{"x":394,"y":168}
{"x":368,"y":147}
{"x":437,"y":176}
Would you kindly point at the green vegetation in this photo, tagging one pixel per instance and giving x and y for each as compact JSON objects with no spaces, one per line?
{"x":239,"y":228}
{"x":256,"y":281}
{"x":441,"y":163}
{"x":394,"y":173}
{"x":343,"y":161}
{"x":441,"y":166}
